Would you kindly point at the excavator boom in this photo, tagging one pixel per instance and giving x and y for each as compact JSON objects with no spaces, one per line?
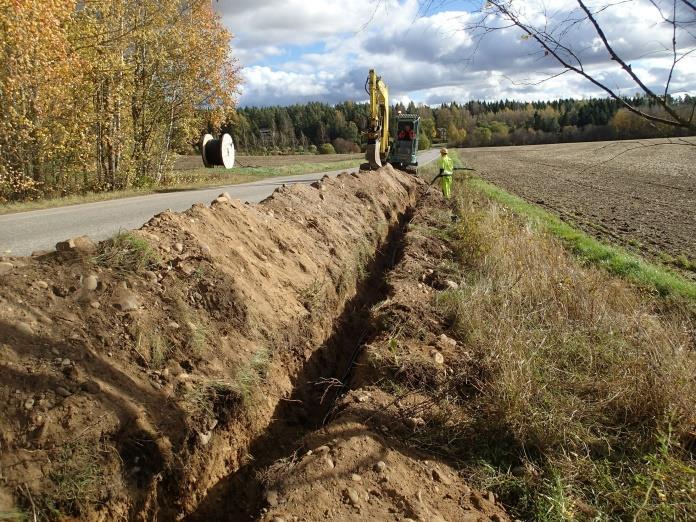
{"x":378,"y":126}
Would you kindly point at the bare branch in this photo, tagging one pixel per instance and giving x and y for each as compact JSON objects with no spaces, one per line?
{"x":678,"y":121}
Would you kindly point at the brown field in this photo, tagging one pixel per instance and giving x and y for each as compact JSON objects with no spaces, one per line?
{"x":639,"y":194}
{"x":194,"y":162}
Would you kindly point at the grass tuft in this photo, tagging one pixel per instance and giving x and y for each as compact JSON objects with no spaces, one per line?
{"x":127,"y":252}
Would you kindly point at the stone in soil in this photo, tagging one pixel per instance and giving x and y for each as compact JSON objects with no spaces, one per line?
{"x":79,"y":245}
{"x":440,"y":476}
{"x":90,"y":283}
{"x":5,"y":268}
{"x":271,"y":498}
{"x":125,"y":300}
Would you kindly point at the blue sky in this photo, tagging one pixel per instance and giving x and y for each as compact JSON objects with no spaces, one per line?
{"x":295,"y":51}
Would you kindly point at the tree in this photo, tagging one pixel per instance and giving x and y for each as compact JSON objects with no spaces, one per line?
{"x":554,"y":38}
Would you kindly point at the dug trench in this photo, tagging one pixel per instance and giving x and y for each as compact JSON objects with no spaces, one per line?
{"x":320,"y":381}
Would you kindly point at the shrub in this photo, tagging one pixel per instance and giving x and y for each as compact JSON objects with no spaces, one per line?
{"x":312,"y":149}
{"x":327,"y":148}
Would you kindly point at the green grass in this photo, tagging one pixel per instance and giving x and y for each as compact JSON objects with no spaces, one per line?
{"x":186,"y":180}
{"x":128,"y":252}
{"x":615,"y":260}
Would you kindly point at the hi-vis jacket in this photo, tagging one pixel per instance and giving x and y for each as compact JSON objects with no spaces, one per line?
{"x":446,"y":164}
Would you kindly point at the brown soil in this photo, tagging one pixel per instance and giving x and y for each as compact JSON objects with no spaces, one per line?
{"x":640,"y":194}
{"x":155,"y":380}
{"x":195,"y":162}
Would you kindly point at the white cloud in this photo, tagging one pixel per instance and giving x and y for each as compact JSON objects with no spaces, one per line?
{"x":433,"y":57}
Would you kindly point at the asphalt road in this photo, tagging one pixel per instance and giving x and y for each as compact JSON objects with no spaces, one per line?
{"x":26,"y":232}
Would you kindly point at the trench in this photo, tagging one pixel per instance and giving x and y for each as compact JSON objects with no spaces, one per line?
{"x":239,"y":496}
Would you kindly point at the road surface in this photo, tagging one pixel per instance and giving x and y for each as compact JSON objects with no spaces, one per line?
{"x":26,"y":232}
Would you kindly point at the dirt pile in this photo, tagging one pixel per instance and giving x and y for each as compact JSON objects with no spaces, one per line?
{"x":133,"y":377}
{"x":379,"y":456}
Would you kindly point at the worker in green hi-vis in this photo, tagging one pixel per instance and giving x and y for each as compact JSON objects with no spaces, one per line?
{"x":446,"y":166}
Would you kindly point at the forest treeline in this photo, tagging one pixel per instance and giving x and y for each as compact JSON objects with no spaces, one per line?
{"x":96,"y":94}
{"x":306,"y":127}
{"x":100,"y":95}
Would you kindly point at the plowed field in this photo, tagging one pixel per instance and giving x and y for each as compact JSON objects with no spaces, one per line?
{"x":640,"y":194}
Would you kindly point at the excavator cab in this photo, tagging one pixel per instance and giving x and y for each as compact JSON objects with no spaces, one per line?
{"x":404,"y":149}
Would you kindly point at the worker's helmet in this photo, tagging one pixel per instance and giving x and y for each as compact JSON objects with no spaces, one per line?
{"x":443,"y":151}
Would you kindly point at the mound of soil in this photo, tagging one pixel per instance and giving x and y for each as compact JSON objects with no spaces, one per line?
{"x":134,"y":373}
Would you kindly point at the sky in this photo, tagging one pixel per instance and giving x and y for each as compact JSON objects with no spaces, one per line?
{"x":296,"y":51}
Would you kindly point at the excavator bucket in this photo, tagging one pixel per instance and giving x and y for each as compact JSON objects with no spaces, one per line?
{"x":372,"y":155}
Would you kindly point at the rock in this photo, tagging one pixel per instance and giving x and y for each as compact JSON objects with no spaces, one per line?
{"x":221,"y":199}
{"x":95,"y":304}
{"x":24,"y":329}
{"x":329,"y":463}
{"x":226,"y":195}
{"x":491,"y":497}
{"x":447,"y":341}
{"x":43,"y":285}
{"x":380,"y":467}
{"x":5,"y":268}
{"x":90,"y":283}
{"x":415,"y":422}
{"x":322,"y":449}
{"x":204,"y":438}
{"x":29,"y":404}
{"x":451,"y":285}
{"x":271,"y":498}
{"x":205,"y":249}
{"x":65,"y":363}
{"x":125,"y":300}
{"x":173,"y":325}
{"x":356,"y":478}
{"x":63,"y":392}
{"x":441,"y":477}
{"x":278,"y":519}
{"x":79,"y":245}
{"x":353,"y":497}
{"x":91,"y":386}
{"x":150,"y":275}
{"x":179,"y":247}
{"x":437,"y":357}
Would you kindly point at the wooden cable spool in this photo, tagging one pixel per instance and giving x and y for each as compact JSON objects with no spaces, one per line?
{"x":217,"y":152}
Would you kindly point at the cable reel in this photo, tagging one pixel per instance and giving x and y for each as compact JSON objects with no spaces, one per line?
{"x":217,"y":152}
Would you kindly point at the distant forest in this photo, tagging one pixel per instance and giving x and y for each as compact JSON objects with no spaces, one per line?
{"x":321,"y":127}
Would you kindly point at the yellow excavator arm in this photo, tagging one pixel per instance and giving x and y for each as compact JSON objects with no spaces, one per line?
{"x":378,"y":126}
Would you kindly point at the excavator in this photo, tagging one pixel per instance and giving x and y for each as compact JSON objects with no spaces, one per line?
{"x":402,"y":151}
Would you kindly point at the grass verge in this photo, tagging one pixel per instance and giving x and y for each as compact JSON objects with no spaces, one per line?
{"x":614,"y":259}
{"x":185,"y":180}
{"x":570,"y":394}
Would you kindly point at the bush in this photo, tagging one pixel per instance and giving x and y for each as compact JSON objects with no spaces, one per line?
{"x":423,"y":142}
{"x":343,"y":146}
{"x":327,"y":148}
{"x":312,"y":149}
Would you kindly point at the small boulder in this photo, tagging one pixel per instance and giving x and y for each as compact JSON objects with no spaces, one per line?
{"x":90,"y":283}
{"x":125,"y":300}
{"x":380,"y":467}
{"x":437,"y":357}
{"x":441,"y":477}
{"x":5,"y":268}
{"x":271,"y":498}
{"x":447,"y":341}
{"x":353,"y":497}
{"x":179,"y":247}
{"x":80,"y":245}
